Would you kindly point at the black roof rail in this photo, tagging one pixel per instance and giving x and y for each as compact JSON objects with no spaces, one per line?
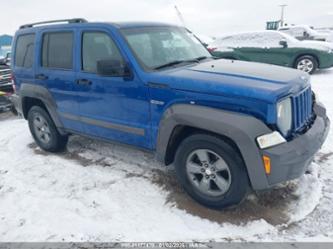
{"x":74,"y":20}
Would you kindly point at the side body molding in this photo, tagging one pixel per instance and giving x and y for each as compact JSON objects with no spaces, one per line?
{"x":240,"y":128}
{"x":42,"y":94}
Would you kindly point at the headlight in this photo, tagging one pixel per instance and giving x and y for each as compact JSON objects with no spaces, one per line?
{"x":284,"y":116}
{"x":330,"y":51}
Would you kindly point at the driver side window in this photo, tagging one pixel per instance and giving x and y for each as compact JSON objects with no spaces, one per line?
{"x":270,"y":39}
{"x":97,"y":46}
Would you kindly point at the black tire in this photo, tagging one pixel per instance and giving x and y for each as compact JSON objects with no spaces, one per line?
{"x":56,"y":142}
{"x":313,"y":60}
{"x":13,"y":110}
{"x":239,"y":178}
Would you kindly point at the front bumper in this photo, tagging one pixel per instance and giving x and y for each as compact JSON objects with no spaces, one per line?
{"x":290,"y":160}
{"x":4,"y":103}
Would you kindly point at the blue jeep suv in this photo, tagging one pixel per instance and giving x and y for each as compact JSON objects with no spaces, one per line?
{"x":227,"y":126}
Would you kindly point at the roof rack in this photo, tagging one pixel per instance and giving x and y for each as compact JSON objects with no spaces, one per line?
{"x":74,"y":20}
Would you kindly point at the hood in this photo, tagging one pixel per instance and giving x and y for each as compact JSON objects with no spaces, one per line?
{"x":236,"y":78}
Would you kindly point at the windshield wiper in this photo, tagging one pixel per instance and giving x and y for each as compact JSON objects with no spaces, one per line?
{"x":202,"y":58}
{"x":172,"y":63}
{"x":169,"y":64}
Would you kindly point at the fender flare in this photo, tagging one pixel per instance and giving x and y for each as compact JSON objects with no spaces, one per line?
{"x":240,"y":128}
{"x":42,"y":94}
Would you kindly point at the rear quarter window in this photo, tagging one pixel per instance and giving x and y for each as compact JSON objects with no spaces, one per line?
{"x":24,"y":51}
{"x":57,"y":50}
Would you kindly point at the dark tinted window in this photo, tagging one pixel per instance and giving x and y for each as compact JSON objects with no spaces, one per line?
{"x":58,"y":50}
{"x":97,"y":46}
{"x":24,"y":53}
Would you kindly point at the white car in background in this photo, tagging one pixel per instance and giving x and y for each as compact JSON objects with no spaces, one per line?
{"x":305,"y":32}
{"x":205,"y":39}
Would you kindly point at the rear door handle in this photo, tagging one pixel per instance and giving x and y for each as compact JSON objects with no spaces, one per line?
{"x":41,"y":77}
{"x":83,"y":82}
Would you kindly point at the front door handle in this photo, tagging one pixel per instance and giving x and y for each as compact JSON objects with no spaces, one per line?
{"x":83,"y":82}
{"x":41,"y":77}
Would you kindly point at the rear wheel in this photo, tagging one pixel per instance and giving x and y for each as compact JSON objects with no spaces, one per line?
{"x":211,"y":171}
{"x":306,"y":63}
{"x":44,"y":131}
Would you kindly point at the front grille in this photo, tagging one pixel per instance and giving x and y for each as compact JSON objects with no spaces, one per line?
{"x":5,"y":80}
{"x":302,"y":109}
{"x":5,"y":72}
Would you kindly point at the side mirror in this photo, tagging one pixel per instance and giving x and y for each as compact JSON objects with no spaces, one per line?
{"x":112,"y":68}
{"x":306,"y":34}
{"x":284,"y":43}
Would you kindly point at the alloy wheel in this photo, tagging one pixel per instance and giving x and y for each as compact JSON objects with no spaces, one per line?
{"x":208,"y":172}
{"x":42,"y":129}
{"x":305,"y":65}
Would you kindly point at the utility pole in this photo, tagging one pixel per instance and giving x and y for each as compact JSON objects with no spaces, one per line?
{"x":180,"y":16}
{"x":282,"y":6}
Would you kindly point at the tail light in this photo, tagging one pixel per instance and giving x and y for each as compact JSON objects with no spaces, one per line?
{"x":211,"y":49}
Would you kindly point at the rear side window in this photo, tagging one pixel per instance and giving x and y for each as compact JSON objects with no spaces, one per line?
{"x":97,"y":46}
{"x":57,"y":50}
{"x":24,"y":51}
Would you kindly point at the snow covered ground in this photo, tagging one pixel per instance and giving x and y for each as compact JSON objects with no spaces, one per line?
{"x":105,"y":192}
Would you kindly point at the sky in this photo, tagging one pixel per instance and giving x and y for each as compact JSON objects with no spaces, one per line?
{"x":205,"y":17}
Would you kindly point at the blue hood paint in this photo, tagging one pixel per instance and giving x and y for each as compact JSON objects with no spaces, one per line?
{"x":258,"y":81}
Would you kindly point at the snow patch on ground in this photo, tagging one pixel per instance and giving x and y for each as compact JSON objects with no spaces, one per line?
{"x":49,"y":197}
{"x":308,"y":192}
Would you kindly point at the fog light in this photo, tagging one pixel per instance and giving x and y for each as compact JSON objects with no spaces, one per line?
{"x":270,"y":140}
{"x":267,"y":164}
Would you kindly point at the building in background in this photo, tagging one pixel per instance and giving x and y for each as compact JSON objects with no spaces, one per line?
{"x":5,"y":40}
{"x":273,"y":25}
{"x":5,"y":47}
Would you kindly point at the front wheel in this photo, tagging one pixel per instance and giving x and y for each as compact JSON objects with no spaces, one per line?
{"x":306,"y":64}
{"x":211,"y":171}
{"x":13,"y":110}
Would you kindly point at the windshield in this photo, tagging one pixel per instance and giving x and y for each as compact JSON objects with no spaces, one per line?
{"x":289,"y":38}
{"x":156,"y":47}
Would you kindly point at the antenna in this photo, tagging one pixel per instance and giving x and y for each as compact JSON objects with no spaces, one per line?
{"x":180,"y":16}
{"x":282,"y":6}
